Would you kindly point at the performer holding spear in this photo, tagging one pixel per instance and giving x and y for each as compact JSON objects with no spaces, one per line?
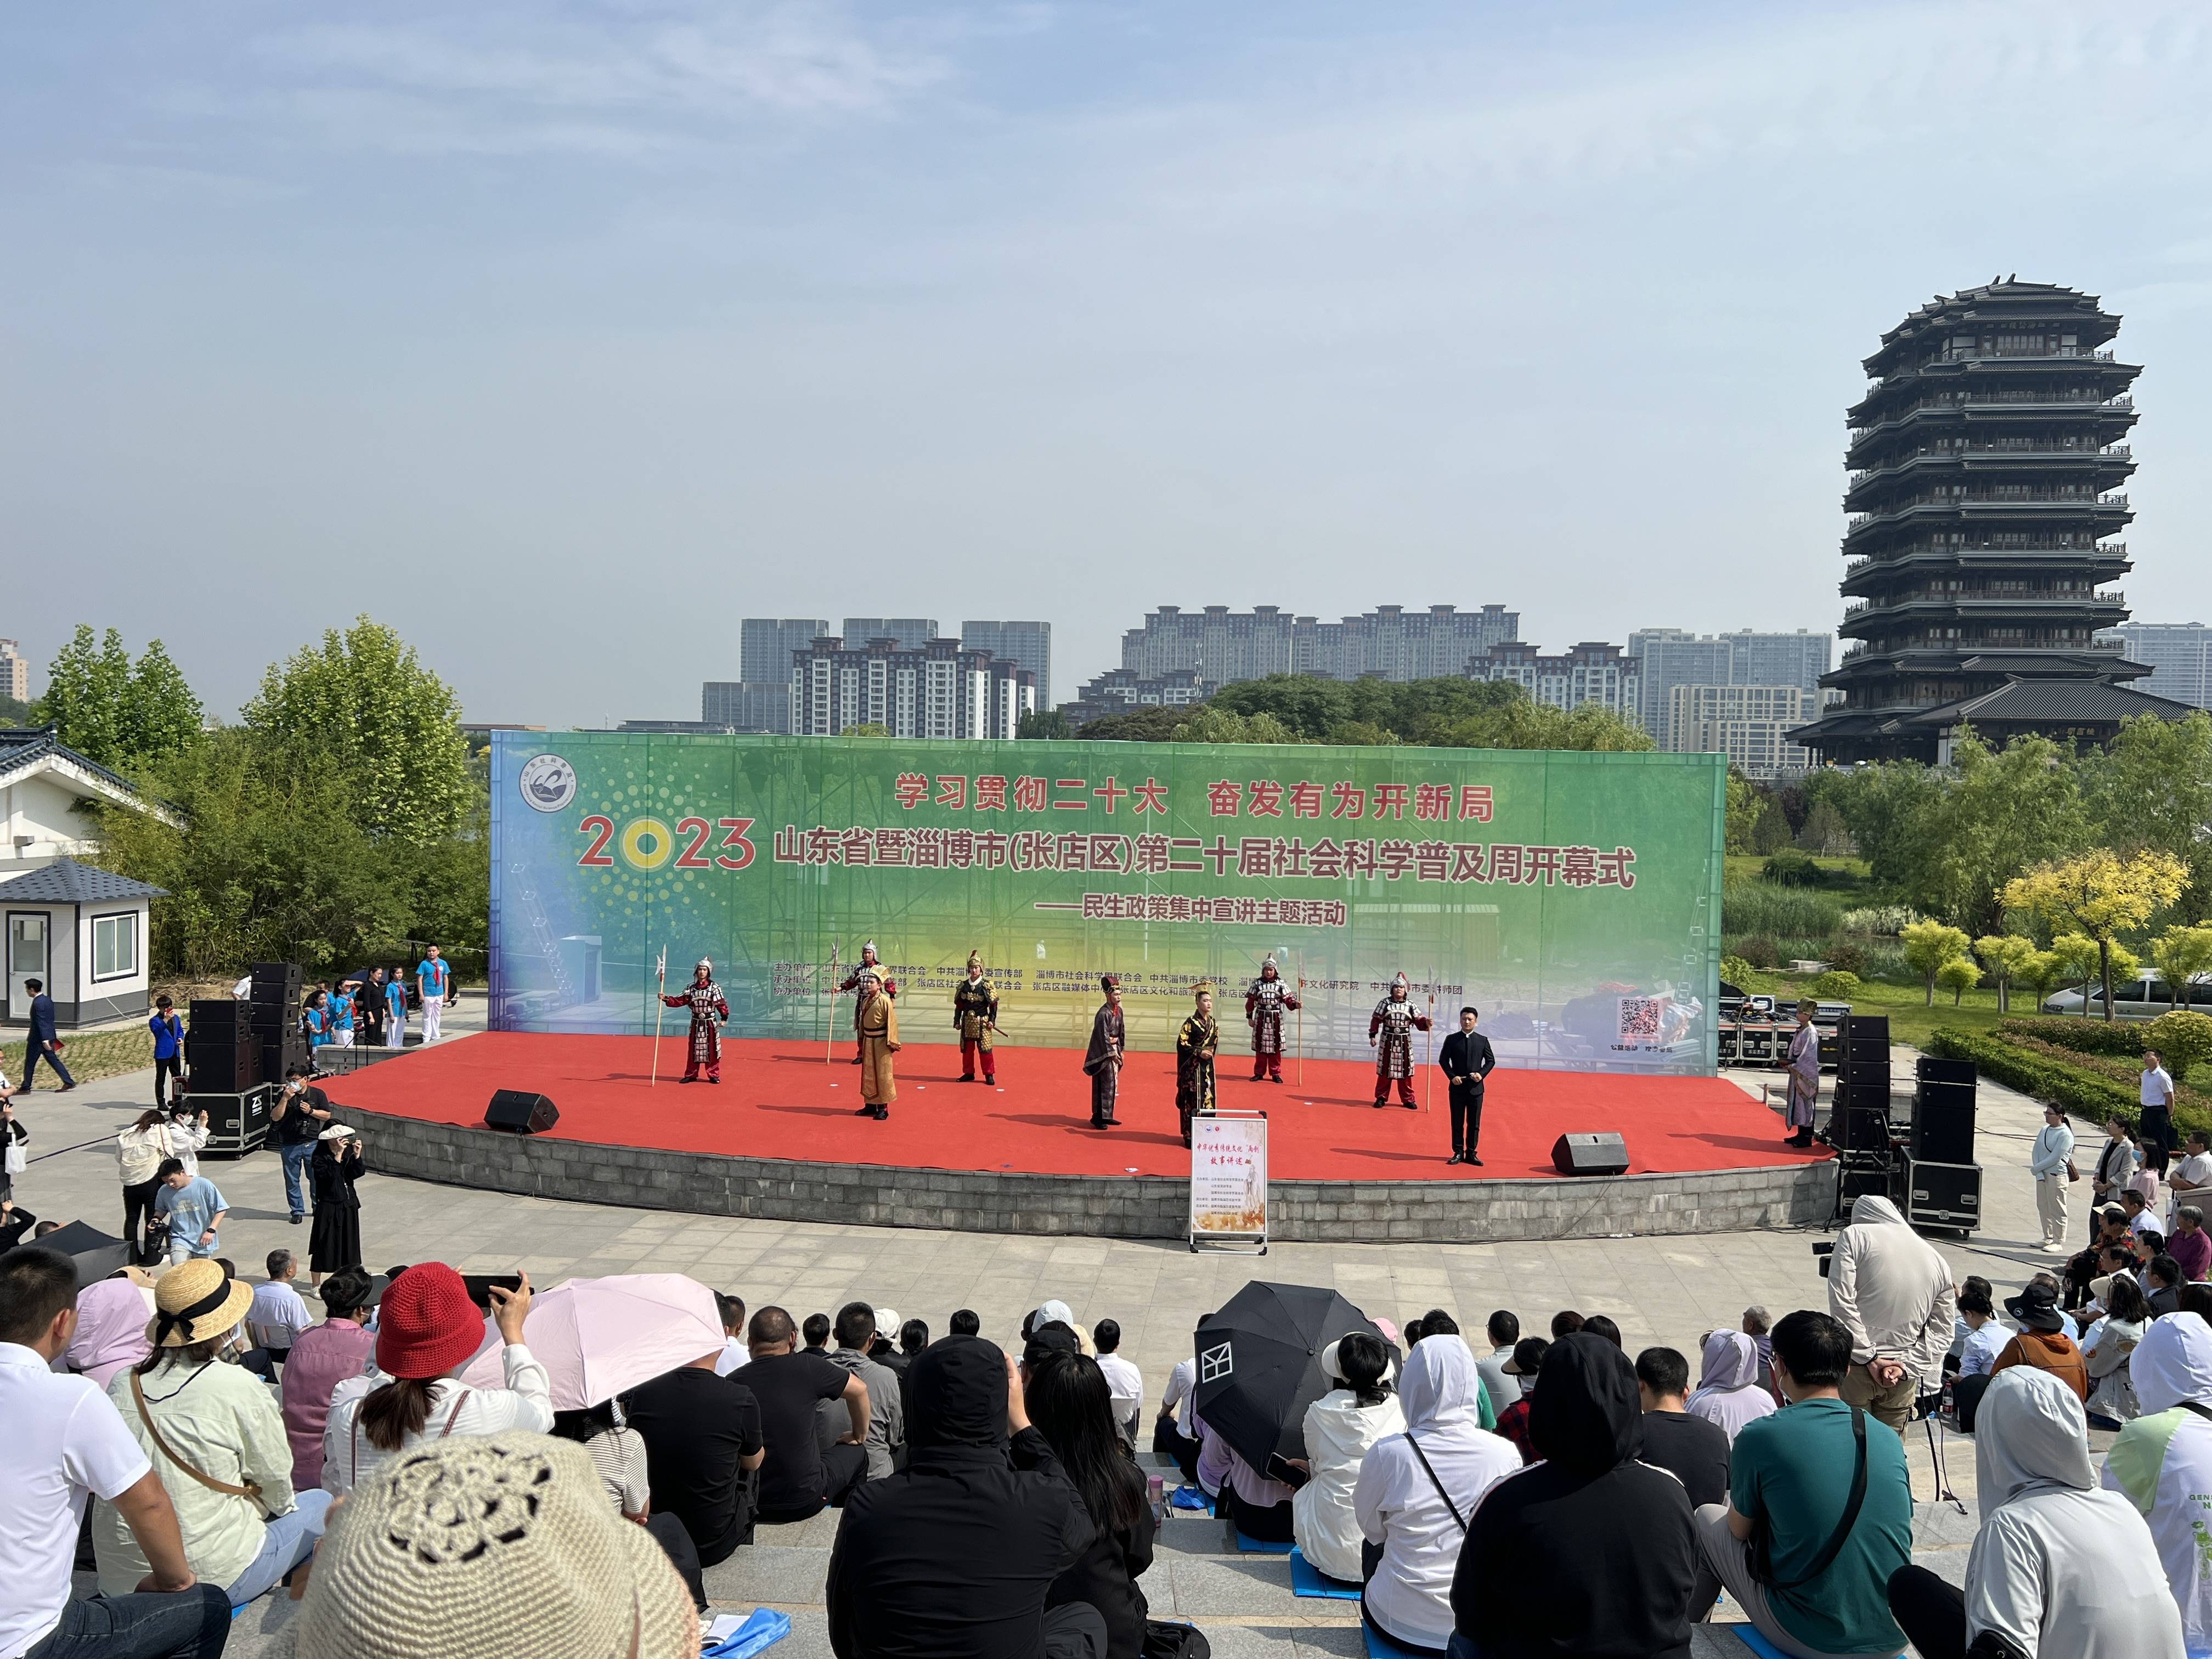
{"x":710,"y":1011}
{"x":829,"y":1039}
{"x":660,"y":979}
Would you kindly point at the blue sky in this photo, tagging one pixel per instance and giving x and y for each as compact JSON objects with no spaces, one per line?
{"x":561,"y":337}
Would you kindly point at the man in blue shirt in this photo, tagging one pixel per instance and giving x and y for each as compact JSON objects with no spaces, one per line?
{"x":194,"y":1208}
{"x":395,"y":1010}
{"x":169,"y":1051}
{"x":43,"y":1042}
{"x":434,"y":979}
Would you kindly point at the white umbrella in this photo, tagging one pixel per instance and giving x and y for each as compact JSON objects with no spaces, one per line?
{"x":598,"y":1337}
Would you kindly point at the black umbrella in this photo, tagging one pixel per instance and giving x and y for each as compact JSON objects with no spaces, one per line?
{"x":97,"y":1254}
{"x":1259,"y":1365}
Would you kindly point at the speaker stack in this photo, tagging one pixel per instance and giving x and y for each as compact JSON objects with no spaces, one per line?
{"x":223,"y":1052}
{"x":1858,"y":1122}
{"x":1941,"y":1185}
{"x":275,"y":1001}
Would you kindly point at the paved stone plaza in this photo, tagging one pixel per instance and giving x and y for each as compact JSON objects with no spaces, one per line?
{"x":1661,"y":1290}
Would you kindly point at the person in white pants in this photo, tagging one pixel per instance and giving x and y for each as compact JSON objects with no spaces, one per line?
{"x":434,"y":979}
{"x":395,"y":1012}
{"x":2054,"y":1150}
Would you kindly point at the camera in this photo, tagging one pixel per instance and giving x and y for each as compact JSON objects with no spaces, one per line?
{"x":1823,"y":1254}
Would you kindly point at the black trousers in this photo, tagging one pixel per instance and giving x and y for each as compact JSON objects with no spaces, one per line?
{"x":1466,"y":1117}
{"x":172,"y":1066}
{"x":843,"y":1467}
{"x":1262,"y":1523}
{"x":137,"y":1206}
{"x":2155,"y":1131}
{"x":683,"y":1554}
{"x":1075,"y":1629}
{"x":1931,"y":1614}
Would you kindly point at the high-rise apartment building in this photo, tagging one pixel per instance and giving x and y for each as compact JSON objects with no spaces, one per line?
{"x":1118,"y":691}
{"x":908,"y":633}
{"x":1592,"y":671}
{"x":1221,"y":646}
{"x":1026,"y":644}
{"x":2179,"y":656}
{"x":1672,"y":657}
{"x":765,"y":645}
{"x":1749,"y":724}
{"x":934,"y":690}
{"x":747,"y":705}
{"x":15,"y":671}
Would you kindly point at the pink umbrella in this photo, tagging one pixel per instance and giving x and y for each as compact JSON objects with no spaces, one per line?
{"x":598,"y":1337}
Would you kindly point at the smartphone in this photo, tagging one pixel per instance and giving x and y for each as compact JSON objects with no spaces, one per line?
{"x":480,"y":1285}
{"x":1288,"y":1474}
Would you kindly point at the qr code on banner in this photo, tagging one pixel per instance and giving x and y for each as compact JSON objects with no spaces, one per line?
{"x":1639,"y":1016}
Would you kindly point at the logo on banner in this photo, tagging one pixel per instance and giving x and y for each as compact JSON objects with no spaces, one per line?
{"x":1215,"y":1364}
{"x":548,"y":782}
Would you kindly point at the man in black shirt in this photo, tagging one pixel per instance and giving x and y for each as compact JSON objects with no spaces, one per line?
{"x":703,"y":1433}
{"x":1467,"y":1061}
{"x":1693,"y":1450}
{"x":302,"y":1113}
{"x":799,"y":1475}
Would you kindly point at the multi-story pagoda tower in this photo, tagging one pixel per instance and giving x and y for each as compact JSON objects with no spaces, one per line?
{"x":1984,"y":465}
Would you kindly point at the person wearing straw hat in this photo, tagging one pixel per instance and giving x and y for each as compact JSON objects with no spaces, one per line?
{"x":214,"y":1435}
{"x":491,"y":1545}
{"x":337,"y":1164}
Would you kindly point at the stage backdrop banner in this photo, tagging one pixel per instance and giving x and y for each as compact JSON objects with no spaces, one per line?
{"x":1574,"y":898}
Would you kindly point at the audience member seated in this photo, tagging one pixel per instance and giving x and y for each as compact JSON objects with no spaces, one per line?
{"x":1892,"y":1292}
{"x":1820,"y":1585}
{"x":2059,"y":1566}
{"x":1729,"y":1395}
{"x":954,"y":1556}
{"x":1340,"y":1428}
{"x":2108,"y":1225}
{"x":1504,"y":1330}
{"x":1986,"y":1335}
{"x":2163,"y":1278}
{"x":1756,"y":1326}
{"x":110,"y":1329}
{"x":1602,"y":1325}
{"x":1126,"y":1381}
{"x":2162,"y":1461}
{"x":2112,"y":1348}
{"x":2042,"y":1341}
{"x":427,"y":1329}
{"x":856,"y":1335}
{"x":732,"y":1311}
{"x":703,"y":1437}
{"x":1565,"y":1322}
{"x":214,"y":1435}
{"x":913,"y":1337}
{"x":1513,"y":1422}
{"x":1260,"y":1506}
{"x":2190,"y":1246}
{"x":1590,"y":1550}
{"x":1416,"y":1491}
{"x":1174,"y":1436}
{"x":278,"y":1314}
{"x":1068,"y":1400}
{"x":963,"y":1322}
{"x":798,"y":1475}
{"x":66,"y":1445}
{"x":1439,"y":1322}
{"x":816,"y":1329}
{"x":617,"y":1452}
{"x":2196,"y":1299}
{"x":491,"y":1544}
{"x":1693,"y":1449}
{"x":885,"y":1349}
{"x":326,"y":1355}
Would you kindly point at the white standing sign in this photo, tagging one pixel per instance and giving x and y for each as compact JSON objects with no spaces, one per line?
{"x":1229,"y":1180}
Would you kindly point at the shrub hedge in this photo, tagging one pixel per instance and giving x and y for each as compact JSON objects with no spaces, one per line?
{"x":2089,"y":1086}
{"x":2179,"y":1037}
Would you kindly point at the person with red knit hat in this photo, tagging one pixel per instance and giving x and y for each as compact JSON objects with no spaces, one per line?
{"x":427,"y":1329}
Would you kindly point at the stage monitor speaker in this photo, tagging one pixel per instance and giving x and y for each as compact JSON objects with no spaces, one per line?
{"x":1928,"y":1069}
{"x":221,"y":1064}
{"x":1591,"y":1154}
{"x":520,"y":1112}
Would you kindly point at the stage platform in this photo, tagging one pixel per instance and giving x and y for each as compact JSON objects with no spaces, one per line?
{"x":779,"y":1137}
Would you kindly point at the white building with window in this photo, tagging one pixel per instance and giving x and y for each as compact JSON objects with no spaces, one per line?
{"x":937,"y":691}
{"x":81,"y":932}
{"x":1749,"y":724}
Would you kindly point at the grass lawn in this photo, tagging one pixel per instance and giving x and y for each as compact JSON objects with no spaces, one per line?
{"x":1844,"y":874}
{"x":1910,"y":1019}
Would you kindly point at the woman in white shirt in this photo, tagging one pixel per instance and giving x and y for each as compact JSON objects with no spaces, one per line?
{"x":1416,"y":1491}
{"x":139,"y":1151}
{"x":427,"y":1329}
{"x":2110,"y":1347}
{"x":1340,"y":1428}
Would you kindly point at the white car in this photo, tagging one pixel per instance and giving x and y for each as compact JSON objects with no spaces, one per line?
{"x":2145,"y":997}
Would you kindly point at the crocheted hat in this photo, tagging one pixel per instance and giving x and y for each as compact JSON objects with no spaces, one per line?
{"x":427,"y":1325}
{"x":488,"y":1547}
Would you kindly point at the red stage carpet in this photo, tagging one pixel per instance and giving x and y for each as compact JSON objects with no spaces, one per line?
{"x":779,"y":1100}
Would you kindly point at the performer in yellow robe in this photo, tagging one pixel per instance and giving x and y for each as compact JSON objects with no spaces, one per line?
{"x":878,"y":1022}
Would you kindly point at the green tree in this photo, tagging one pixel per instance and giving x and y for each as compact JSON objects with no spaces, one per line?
{"x":2077,"y":958}
{"x":1927,"y":946}
{"x":1147,"y":724}
{"x":391,"y":726}
{"x":1213,"y":725}
{"x":1957,"y":976}
{"x":2037,"y":972}
{"x":2004,"y":954}
{"x":1825,"y":830}
{"x":162,"y":717}
{"x":2180,"y":954}
{"x":1044,"y":723}
{"x":87,"y":696}
{"x":1890,"y":811}
{"x":1999,"y":812}
{"x":2183,"y":1039}
{"x":2101,"y":895}
{"x":1771,"y":832}
{"x":1743,"y":804}
{"x":2153,"y":788}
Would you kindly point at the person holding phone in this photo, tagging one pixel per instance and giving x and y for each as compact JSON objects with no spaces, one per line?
{"x":335,"y":1243}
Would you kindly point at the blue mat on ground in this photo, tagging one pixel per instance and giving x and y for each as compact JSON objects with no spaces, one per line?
{"x":1254,"y":1546}
{"x":1307,"y":1579}
{"x":756,"y":1635}
{"x":1191,"y":1500}
{"x":1380,"y":1646}
{"x":1749,"y":1636}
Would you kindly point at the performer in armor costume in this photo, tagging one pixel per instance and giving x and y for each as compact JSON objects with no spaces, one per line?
{"x":868,"y":965}
{"x":974,"y":1015}
{"x":1264,"y":1005}
{"x":1394,"y":1021}
{"x":1195,"y":1044}
{"x":1101,"y":1061}
{"x":709,"y":1012}
{"x":878,"y":1020}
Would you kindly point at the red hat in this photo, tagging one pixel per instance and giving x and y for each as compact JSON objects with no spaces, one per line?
{"x":426,"y":1325}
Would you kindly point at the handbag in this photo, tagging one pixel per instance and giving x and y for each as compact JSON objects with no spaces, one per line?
{"x":251,"y":1488}
{"x":1762,"y":1563}
{"x":14,"y":1160}
{"x":2072,"y":1174}
{"x":1165,"y":1640}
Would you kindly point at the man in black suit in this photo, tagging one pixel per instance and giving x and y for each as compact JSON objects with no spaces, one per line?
{"x":1467,"y":1061}
{"x":44,"y":1041}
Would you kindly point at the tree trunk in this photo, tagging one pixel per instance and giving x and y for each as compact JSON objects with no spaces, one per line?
{"x":2105,"y":974}
{"x":1931,"y":990}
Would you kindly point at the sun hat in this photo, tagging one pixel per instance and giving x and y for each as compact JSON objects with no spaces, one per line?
{"x":2037,"y":1307}
{"x":888,"y":1322}
{"x":426,"y":1325}
{"x":1330,"y":1368}
{"x":488,"y":1546}
{"x":194,"y":1301}
{"x":1528,"y":1357}
{"x":337,"y":1131}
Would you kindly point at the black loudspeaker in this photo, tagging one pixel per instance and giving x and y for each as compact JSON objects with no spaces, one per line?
{"x":1943,"y":1123}
{"x":277,"y":982}
{"x":1860,"y":1129}
{"x":1588,"y":1155}
{"x":520,"y":1112}
{"x":223,"y":1064}
{"x":1928,"y":1069}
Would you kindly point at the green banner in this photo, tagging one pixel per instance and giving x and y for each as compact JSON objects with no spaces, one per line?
{"x":1574,"y":898}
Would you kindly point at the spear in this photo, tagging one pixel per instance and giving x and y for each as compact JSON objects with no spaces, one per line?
{"x":1302,"y":1030}
{"x":1428,"y":1042}
{"x":660,"y":978}
{"x":829,"y":1020}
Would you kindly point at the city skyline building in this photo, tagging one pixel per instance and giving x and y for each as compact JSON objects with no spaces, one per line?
{"x":935,"y":691}
{"x":1749,"y":724}
{"x":2178,"y":655}
{"x":747,"y":705}
{"x":1390,"y":642}
{"x":1026,"y":644}
{"x":1674,"y":656}
{"x":1983,"y":469}
{"x":15,"y":671}
{"x":1590,"y":671}
{"x":765,"y":645}
{"x":908,"y":633}
{"x":1119,"y":692}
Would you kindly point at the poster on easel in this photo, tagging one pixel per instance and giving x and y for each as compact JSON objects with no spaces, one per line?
{"x":1229,"y":1181}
